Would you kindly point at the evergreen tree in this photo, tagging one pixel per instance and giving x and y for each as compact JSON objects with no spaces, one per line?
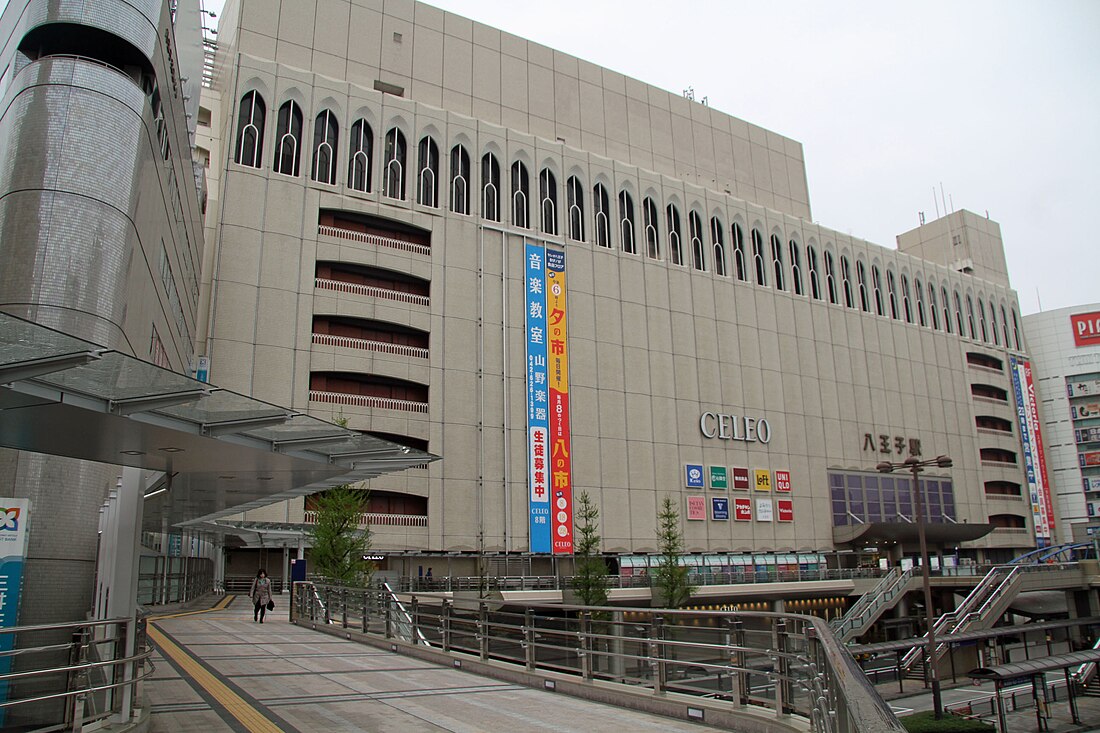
{"x":590,"y":580}
{"x":671,"y":587}
{"x":338,"y":543}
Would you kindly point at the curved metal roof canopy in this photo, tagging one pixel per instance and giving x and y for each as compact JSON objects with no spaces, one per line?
{"x":220,"y":452}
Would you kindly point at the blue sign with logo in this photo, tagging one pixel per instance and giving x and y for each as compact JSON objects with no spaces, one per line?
{"x":720,"y":508}
{"x":14,"y":517}
{"x":693,"y":475}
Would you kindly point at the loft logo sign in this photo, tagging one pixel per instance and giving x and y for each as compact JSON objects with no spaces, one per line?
{"x":725,"y":426}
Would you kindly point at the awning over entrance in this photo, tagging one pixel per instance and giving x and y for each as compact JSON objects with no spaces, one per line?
{"x":220,"y":452}
{"x":872,"y":533}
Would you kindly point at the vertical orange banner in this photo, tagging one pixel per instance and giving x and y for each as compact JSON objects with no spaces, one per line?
{"x":557,"y":352}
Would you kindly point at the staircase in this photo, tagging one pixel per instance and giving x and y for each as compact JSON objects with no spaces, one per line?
{"x":979,"y":610}
{"x":1086,"y":673}
{"x":872,"y":605}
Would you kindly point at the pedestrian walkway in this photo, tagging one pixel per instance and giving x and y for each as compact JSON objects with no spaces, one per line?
{"x":217,"y":670}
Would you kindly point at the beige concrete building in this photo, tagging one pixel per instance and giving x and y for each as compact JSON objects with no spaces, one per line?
{"x":379,"y":174}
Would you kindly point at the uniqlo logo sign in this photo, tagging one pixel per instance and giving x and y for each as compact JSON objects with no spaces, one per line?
{"x":1086,"y":328}
{"x":783,"y":481}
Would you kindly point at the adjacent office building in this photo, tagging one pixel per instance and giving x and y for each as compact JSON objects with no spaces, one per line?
{"x":1066,"y":347}
{"x":564,"y":280}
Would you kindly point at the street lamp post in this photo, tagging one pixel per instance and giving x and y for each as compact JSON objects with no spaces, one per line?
{"x":915,"y":465}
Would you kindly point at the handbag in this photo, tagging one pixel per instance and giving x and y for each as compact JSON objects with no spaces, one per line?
{"x":271,"y":605}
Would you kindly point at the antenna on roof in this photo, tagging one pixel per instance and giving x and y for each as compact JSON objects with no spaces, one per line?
{"x":936,"y":202}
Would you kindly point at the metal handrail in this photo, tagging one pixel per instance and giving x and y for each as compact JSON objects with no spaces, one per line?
{"x":375,"y":239}
{"x":789,"y":663}
{"x":870,"y":602}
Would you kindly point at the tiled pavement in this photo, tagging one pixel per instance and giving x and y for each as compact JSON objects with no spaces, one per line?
{"x":226,"y":673}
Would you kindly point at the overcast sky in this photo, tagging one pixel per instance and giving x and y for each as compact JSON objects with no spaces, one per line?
{"x":997,"y":99}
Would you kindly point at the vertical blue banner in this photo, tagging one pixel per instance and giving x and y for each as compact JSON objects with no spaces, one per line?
{"x":1029,"y":457}
{"x":538,"y":396}
{"x":14,"y":514}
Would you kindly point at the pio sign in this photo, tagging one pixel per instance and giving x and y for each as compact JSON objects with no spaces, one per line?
{"x":1086,"y":328}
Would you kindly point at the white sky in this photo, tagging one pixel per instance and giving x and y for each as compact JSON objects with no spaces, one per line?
{"x":997,"y":99}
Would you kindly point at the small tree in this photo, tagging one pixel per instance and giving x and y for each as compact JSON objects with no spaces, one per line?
{"x":670,"y":578}
{"x":590,"y":574}
{"x":338,"y":543}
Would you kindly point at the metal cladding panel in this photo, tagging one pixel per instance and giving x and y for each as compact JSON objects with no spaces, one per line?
{"x":136,"y":20}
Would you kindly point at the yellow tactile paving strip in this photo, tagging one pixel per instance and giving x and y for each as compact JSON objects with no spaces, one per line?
{"x":248,"y":716}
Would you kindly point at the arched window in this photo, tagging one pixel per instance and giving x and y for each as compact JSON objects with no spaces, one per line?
{"x":933,"y":309}
{"x":777,"y":262}
{"x":288,"y":139}
{"x":892,"y":293}
{"x":718,"y":241}
{"x":846,"y":276}
{"x":393,"y":182}
{"x":796,"y":267}
{"x":959,"y":315}
{"x":250,"y":130}
{"x":970,"y":317}
{"x":652,"y":234}
{"x":326,"y":139}
{"x":548,"y":201}
{"x":695,"y":227}
{"x":993,"y":324}
{"x":521,"y":189}
{"x":861,"y":276}
{"x":460,"y":180}
{"x":758,"y":257}
{"x":876,"y":282}
{"x":1004,"y":324}
{"x":739,"y":252}
{"x":427,"y":173}
{"x":675,"y":250}
{"x":907,"y":309}
{"x":1015,"y":331}
{"x":575,"y":198}
{"x":918,"y":289}
{"x":815,"y":279}
{"x":602,"y":211}
{"x":360,"y":148}
{"x":830,"y":277}
{"x":946,"y":300}
{"x":981,"y":321}
{"x":490,"y":187}
{"x":626,"y":223}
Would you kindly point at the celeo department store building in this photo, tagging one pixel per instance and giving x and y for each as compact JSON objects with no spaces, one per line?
{"x":1066,"y":345}
{"x":562,"y":280}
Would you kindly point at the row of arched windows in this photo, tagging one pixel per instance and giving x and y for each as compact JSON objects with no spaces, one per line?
{"x":766,"y":261}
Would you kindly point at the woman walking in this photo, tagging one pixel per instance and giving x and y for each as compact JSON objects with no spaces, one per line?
{"x":260,"y":595}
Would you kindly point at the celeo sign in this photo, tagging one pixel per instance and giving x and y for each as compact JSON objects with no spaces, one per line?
{"x":724,"y":426}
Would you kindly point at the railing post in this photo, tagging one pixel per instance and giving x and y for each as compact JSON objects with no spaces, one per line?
{"x":445,"y":624}
{"x":344,"y":607}
{"x":414,"y":618}
{"x":584,"y":650}
{"x":483,"y":629}
{"x":529,"y":649}
{"x":657,"y":655}
{"x":735,"y":633}
{"x":366,"y":614}
{"x":783,"y":687}
{"x":389,"y":616}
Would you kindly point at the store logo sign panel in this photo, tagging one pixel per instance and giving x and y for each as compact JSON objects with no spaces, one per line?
{"x":785,"y":510}
{"x":1086,"y":328}
{"x":693,"y":476}
{"x":742,"y":510}
{"x":720,"y":509}
{"x":741,"y":479}
{"x":763,"y":479}
{"x":763,"y":510}
{"x":697,"y":508}
{"x":719,"y":479}
{"x":783,"y":481}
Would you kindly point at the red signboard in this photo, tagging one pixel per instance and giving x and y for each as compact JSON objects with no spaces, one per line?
{"x":742,"y":509}
{"x":741,"y":478}
{"x":783,"y":482}
{"x":786,"y":510}
{"x":1086,"y":328}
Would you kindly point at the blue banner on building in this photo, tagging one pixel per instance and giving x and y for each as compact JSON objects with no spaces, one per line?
{"x":1029,"y":455}
{"x":538,"y":398}
{"x":14,"y":515}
